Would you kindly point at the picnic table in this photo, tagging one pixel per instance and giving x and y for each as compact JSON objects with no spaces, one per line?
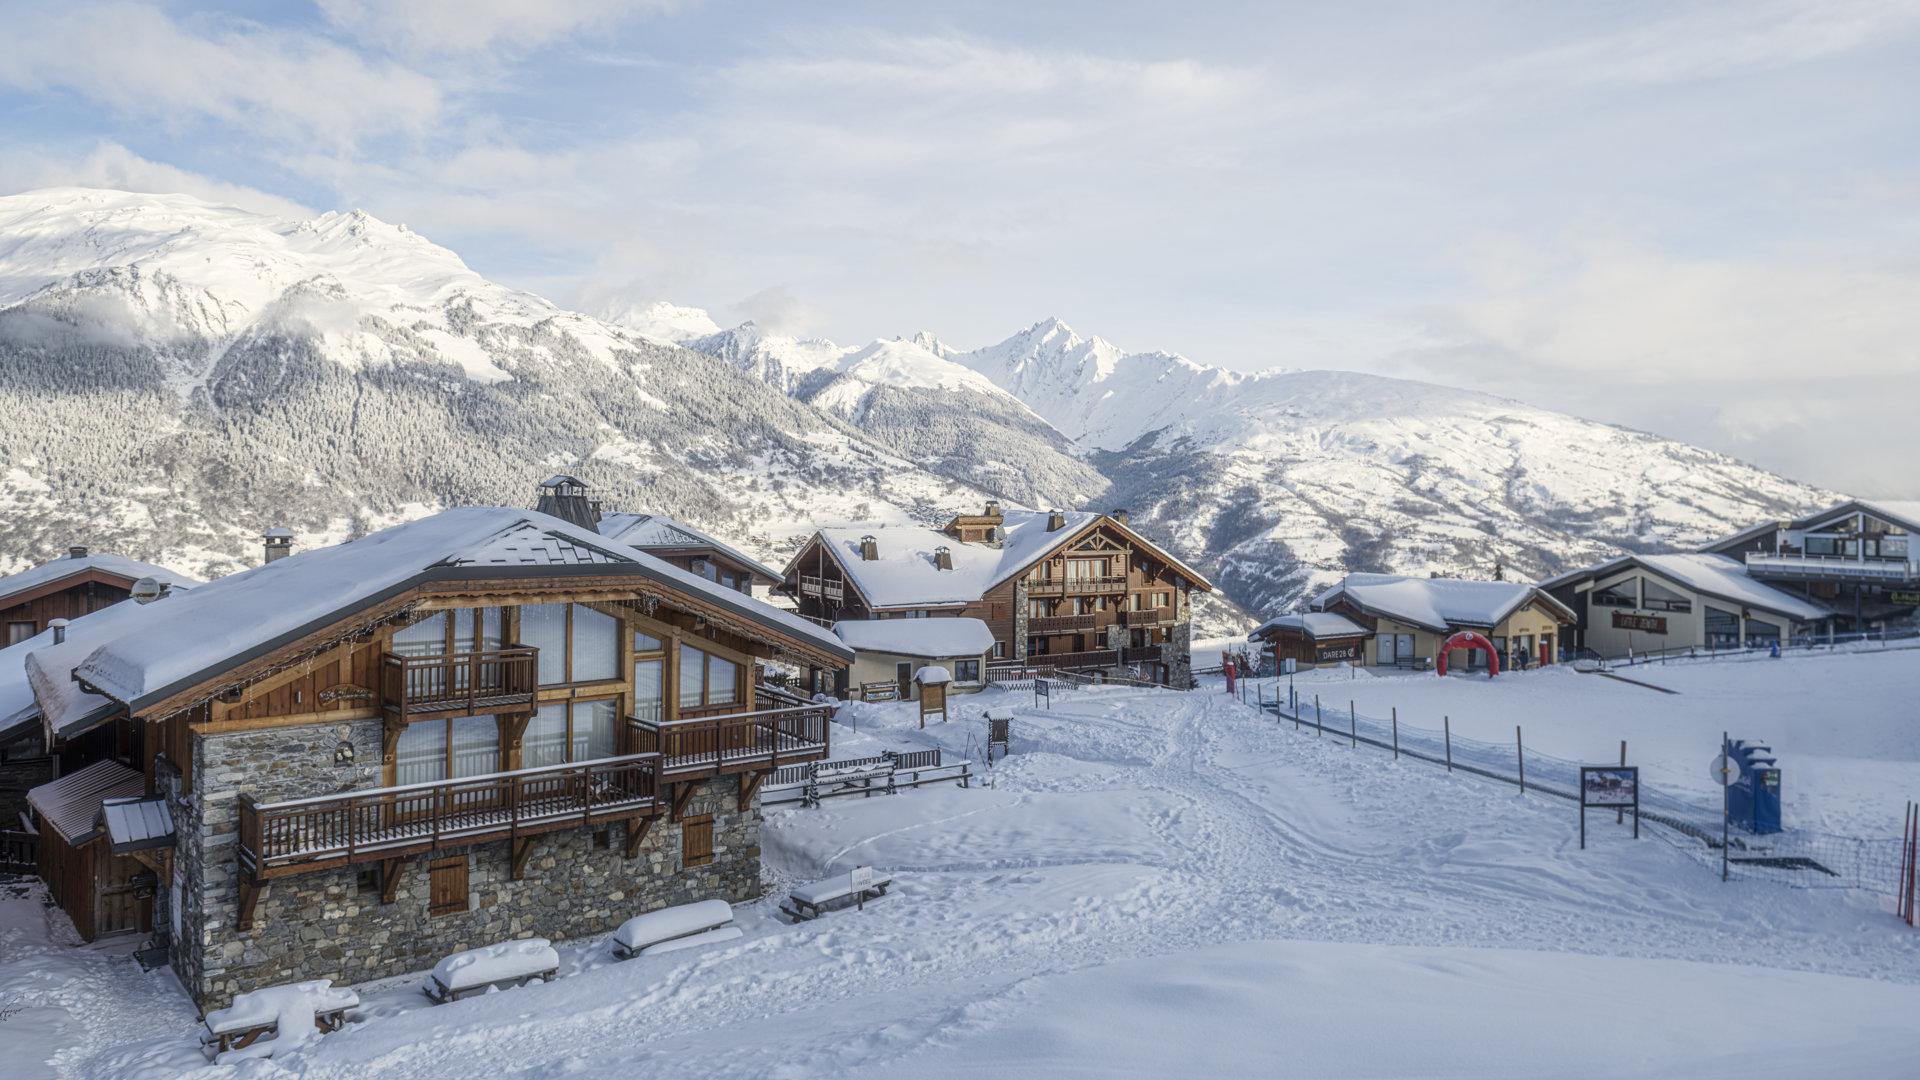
{"x":670,"y":929}
{"x":258,"y":1013}
{"x":507,"y":964}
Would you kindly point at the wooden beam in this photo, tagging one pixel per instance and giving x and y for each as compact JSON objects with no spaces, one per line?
{"x":249,"y":897}
{"x":262,"y":723}
{"x":637,"y":832}
{"x":389,"y":879}
{"x":749,"y":787}
{"x":522,"y":847}
{"x":682,"y":795}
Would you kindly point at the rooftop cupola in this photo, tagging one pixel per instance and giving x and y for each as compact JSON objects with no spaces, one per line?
{"x":278,"y":542}
{"x":869,"y":548}
{"x":565,"y":497}
{"x":1056,"y":521}
{"x":943,"y":557}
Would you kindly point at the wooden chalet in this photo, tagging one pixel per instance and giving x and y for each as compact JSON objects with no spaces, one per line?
{"x":79,"y":583}
{"x":673,"y":542}
{"x":1409,"y":620}
{"x":1075,"y":591}
{"x":482,"y":724}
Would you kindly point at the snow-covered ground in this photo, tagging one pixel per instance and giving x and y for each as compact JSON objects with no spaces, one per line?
{"x":1152,"y":884}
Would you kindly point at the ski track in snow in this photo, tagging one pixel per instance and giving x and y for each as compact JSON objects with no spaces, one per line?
{"x":1126,"y":826}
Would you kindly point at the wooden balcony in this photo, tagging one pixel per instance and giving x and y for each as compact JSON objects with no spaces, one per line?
{"x":734,"y":742}
{"x":1097,"y":658}
{"x":307,"y":835}
{"x":1076,"y":586}
{"x":457,"y":684}
{"x":821,"y":587}
{"x":1143,"y":654}
{"x":1059,"y":624}
{"x":1147,"y":617}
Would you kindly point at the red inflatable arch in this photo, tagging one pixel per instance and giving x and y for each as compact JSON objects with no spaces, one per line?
{"x":1467,"y":639}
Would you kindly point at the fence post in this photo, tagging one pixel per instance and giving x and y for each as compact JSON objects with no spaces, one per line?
{"x":1318,"y":728}
{"x":1396,"y":733}
{"x":1520,"y":751}
{"x":1446,"y":729}
{"x":1353,"y":726}
{"x":1620,"y":816}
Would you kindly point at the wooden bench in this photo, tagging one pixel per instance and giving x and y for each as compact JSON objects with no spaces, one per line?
{"x":504,"y":966}
{"x":257,"y":1013}
{"x":670,"y":929}
{"x":857,"y":886}
{"x":844,"y":777}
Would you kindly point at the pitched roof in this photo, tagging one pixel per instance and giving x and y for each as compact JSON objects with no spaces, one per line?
{"x":139,"y":656}
{"x":71,"y":804}
{"x":135,"y":823}
{"x":934,"y":638}
{"x":649,"y":532}
{"x":1904,"y":514}
{"x":1715,"y":576}
{"x":904,"y":575}
{"x":1437,"y":603}
{"x":1314,"y":624}
{"x":51,"y":573}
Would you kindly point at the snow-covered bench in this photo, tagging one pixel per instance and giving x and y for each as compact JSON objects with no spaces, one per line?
{"x":508,"y":964}
{"x":856,"y":886}
{"x":826,"y":778}
{"x":674,"y":928}
{"x":257,"y":1013}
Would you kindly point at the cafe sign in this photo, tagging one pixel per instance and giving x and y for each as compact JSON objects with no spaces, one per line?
{"x":1646,"y":624}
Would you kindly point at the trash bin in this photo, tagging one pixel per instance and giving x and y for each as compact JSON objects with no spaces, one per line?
{"x":1754,"y":799}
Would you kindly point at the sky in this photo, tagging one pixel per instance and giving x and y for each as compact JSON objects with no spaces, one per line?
{"x":1699,"y":220}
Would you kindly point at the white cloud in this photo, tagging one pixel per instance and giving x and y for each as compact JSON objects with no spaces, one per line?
{"x":447,"y":27}
{"x":135,"y":60}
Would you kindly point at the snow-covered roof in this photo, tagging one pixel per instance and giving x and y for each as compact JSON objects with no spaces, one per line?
{"x":905,"y":575}
{"x":1904,"y":514}
{"x":140,"y":655}
{"x":937,"y":638}
{"x":1437,"y":603}
{"x":135,"y":823}
{"x":1314,"y":624}
{"x":71,"y":804}
{"x":1711,"y":575}
{"x":71,"y":566}
{"x":651,"y":532}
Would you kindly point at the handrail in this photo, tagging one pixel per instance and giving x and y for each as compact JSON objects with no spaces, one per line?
{"x":752,"y":714}
{"x":402,"y":789}
{"x":452,"y":679}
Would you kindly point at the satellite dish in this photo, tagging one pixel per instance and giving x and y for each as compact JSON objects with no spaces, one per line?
{"x":147,"y":590}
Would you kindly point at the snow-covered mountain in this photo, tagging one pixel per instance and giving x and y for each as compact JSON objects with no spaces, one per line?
{"x":1279,"y":482}
{"x":177,"y":376}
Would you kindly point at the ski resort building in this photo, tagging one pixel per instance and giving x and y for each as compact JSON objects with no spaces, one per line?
{"x":889,"y":652}
{"x":349,"y":762}
{"x":1647,"y":603}
{"x":1313,"y":638}
{"x":1077,"y":591}
{"x":1407,"y":619}
{"x":1859,"y":560}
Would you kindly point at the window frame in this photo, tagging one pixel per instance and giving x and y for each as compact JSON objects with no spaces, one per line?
{"x":567,"y":650}
{"x":568,"y":733}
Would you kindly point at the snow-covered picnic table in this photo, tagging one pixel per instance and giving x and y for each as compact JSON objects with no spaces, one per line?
{"x":475,"y":971}
{"x":291,"y":1013}
{"x":816,"y":899}
{"x":670,"y":929}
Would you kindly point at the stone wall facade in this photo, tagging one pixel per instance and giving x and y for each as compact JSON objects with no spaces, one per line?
{"x":332,"y":925}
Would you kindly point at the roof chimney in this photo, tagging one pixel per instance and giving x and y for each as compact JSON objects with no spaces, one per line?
{"x":59,"y":628}
{"x":1120,"y":515}
{"x":943,"y":557}
{"x":565,"y":497}
{"x":993,"y":508}
{"x":1056,"y":521}
{"x":278,"y":542}
{"x":77,"y":551}
{"x":869,"y":548}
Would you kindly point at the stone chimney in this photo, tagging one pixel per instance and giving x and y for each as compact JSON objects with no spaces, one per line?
{"x":278,"y":542}
{"x":77,"y":551}
{"x":566,"y":498}
{"x":1120,"y":516}
{"x":1056,"y":521}
{"x":869,"y":548}
{"x":59,"y":628}
{"x":993,"y":510}
{"x":943,"y":558}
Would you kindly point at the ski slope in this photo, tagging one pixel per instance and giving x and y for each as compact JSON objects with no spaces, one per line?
{"x":1152,"y":884}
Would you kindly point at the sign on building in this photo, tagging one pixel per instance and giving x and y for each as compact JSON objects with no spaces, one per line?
{"x":1609,"y":787}
{"x":1345,"y":651}
{"x":1646,"y":624}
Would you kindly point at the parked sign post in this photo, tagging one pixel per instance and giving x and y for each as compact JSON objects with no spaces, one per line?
{"x":1042,"y":689}
{"x":861,"y":879}
{"x":1609,"y":787}
{"x":1724,"y":770}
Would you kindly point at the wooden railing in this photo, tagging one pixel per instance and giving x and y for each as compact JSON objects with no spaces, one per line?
{"x":460,"y":682}
{"x":1059,"y":624}
{"x":815,"y":586}
{"x":1070,"y":660}
{"x":1146,"y":617}
{"x":359,"y":826}
{"x":19,"y":851}
{"x":1069,"y":586}
{"x":765,"y":739}
{"x":1137,"y":654}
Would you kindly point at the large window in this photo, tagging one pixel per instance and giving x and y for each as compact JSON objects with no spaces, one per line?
{"x":460,"y":631}
{"x":1083,"y":569}
{"x":1761,"y":635}
{"x":706,"y":679}
{"x":1723,"y":629}
{"x":571,"y":731}
{"x":1661,"y":598}
{"x":447,"y":750}
{"x":649,"y":677}
{"x":577,"y":644}
{"x":1624,"y":594}
{"x":966,"y":671}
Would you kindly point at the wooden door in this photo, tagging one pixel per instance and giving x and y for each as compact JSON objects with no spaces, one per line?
{"x":903,"y":674}
{"x":124,"y":901}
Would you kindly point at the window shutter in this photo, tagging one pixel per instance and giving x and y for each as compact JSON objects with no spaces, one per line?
{"x":696,"y":840}
{"x":447,"y":879}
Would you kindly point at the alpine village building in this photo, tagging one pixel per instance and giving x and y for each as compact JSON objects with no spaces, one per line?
{"x":1064,"y":591}
{"x":1390,"y":620}
{"x":351,"y":761}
